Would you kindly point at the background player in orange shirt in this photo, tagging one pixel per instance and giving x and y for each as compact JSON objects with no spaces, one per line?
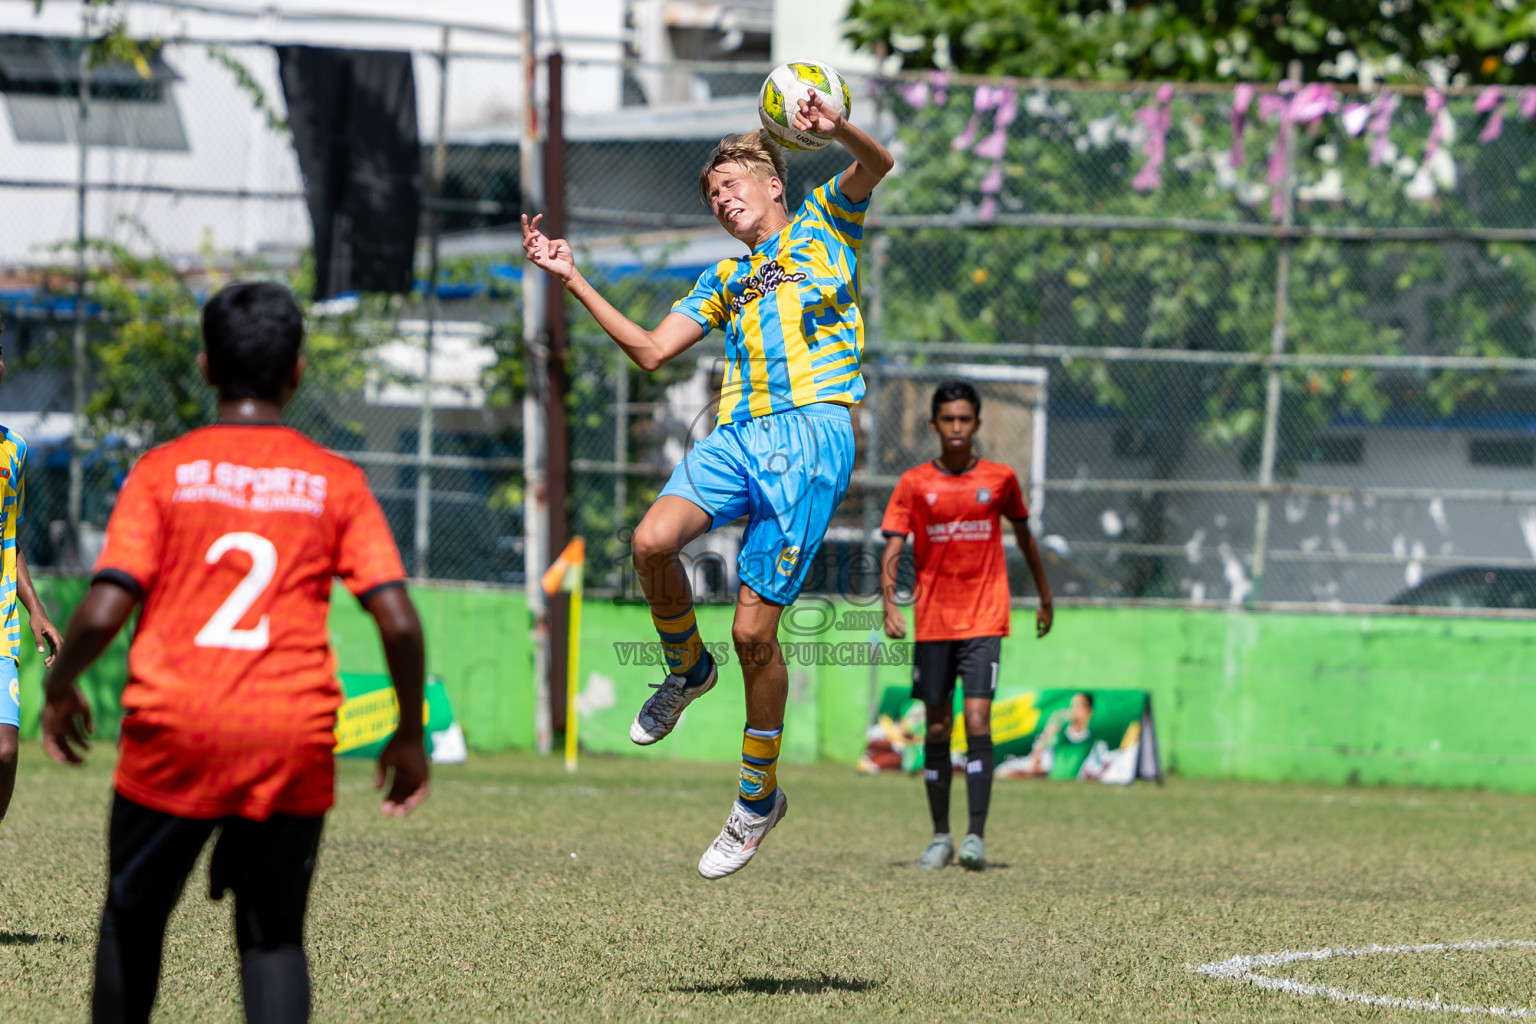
{"x":953,"y":507}
{"x":231,"y":536}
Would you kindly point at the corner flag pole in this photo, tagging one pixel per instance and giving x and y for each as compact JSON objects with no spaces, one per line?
{"x":566,"y":575}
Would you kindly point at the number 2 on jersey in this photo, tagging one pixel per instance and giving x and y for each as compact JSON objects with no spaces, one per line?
{"x":219,"y":630}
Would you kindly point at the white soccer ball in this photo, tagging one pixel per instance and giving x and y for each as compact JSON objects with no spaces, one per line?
{"x":784,"y":88}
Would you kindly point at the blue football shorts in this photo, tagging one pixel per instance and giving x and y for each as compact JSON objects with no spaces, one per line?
{"x":787,"y":473}
{"x":10,"y":693}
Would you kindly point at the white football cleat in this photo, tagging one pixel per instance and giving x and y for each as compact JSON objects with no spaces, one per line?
{"x":659,"y":715}
{"x":738,"y":841}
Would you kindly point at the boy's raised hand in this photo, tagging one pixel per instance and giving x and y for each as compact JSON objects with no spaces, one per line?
{"x":817,"y":116}
{"x":551,"y":254}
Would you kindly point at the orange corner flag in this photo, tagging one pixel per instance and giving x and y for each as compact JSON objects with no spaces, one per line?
{"x":565,"y":573}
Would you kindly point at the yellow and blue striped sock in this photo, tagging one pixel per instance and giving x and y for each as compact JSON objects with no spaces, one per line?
{"x":759,"y":780}
{"x":682,"y":646}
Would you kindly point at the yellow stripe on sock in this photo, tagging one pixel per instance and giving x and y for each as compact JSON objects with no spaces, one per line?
{"x":681,"y":655}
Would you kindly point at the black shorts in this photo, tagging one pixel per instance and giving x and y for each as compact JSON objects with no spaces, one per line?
{"x":267,"y":864}
{"x":936,"y":663}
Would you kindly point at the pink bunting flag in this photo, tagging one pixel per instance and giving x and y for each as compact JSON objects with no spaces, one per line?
{"x":1381,"y":121}
{"x":1434,"y":106}
{"x":940,"y":82}
{"x":993,"y":182}
{"x":987,"y":98}
{"x":1355,"y":117}
{"x":1242,"y":99}
{"x":1313,"y":102}
{"x":915,"y":95}
{"x":1157,"y":119}
{"x":1490,"y":102}
{"x":995,"y":145}
{"x":988,"y":209}
{"x":1528,"y":103}
{"x":966,"y":136}
{"x":1271,"y":108}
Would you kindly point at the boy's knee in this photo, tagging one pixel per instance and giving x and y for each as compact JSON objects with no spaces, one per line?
{"x":651,"y":546}
{"x":978,"y":723}
{"x":9,"y":747}
{"x":752,"y":634}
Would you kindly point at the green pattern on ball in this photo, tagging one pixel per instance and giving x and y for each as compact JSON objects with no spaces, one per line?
{"x":773,"y":103}
{"x":812,"y":75}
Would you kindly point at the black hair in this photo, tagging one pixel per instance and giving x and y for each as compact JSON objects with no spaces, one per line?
{"x":1087,"y":697}
{"x":955,"y":391}
{"x":252,"y":331}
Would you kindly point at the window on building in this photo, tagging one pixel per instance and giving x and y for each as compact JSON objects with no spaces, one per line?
{"x":1502,"y":452}
{"x":40,"y":79}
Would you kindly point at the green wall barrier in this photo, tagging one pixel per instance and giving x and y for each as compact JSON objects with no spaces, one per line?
{"x":477,"y":643}
{"x":1320,"y":698}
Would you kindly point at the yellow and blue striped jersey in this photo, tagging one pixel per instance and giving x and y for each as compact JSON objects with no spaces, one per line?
{"x":789,"y":309}
{"x":13,"y":495}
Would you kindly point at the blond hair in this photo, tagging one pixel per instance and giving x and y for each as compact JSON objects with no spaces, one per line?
{"x":756,"y":152}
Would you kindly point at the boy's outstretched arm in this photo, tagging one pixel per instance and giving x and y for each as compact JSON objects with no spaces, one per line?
{"x":66,"y":716}
{"x":649,"y":350}
{"x":1043,"y":615}
{"x":871,"y":161}
{"x":405,"y":652}
{"x":44,"y":632}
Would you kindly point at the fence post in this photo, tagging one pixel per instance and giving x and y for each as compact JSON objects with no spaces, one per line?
{"x":76,"y":500}
{"x":1277,"y":340}
{"x":427,"y":423}
{"x":620,"y":446}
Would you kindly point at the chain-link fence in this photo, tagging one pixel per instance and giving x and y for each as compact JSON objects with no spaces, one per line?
{"x":1238,"y":347}
{"x":1292,"y":365}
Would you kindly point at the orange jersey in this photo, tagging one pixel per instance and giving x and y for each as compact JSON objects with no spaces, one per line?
{"x":232,"y":535}
{"x":955,"y":522}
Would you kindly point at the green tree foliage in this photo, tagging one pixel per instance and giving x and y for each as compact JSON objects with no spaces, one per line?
{"x":1075,"y":152}
{"x":144,"y":335}
{"x":1205,"y":40}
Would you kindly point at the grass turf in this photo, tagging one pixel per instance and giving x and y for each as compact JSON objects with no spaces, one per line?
{"x":518,"y":892}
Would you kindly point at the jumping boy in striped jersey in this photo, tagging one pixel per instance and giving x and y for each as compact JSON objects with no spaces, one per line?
{"x":15,"y":589}
{"x":782,"y":448}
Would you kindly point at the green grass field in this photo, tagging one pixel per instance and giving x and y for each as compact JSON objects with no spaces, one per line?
{"x":518,"y":892}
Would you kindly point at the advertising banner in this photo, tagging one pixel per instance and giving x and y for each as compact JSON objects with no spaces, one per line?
{"x":370,"y":712}
{"x":1092,"y":735}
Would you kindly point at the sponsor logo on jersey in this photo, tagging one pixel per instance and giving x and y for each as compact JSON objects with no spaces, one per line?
{"x":930,"y":497}
{"x":983,"y":496}
{"x":962,"y":529}
{"x":753,"y":782}
{"x":788,"y":558}
{"x":768,"y":278}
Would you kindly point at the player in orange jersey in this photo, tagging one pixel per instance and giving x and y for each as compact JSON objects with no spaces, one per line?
{"x":953,"y":507}
{"x":231,"y":536}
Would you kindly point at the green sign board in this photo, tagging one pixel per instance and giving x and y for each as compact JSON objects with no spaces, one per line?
{"x":1093,"y":735}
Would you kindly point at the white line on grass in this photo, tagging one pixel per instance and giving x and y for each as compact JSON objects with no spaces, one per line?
{"x":1241,"y":968}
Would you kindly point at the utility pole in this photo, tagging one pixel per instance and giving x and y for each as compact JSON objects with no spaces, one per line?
{"x":556,"y":435}
{"x":536,"y":554}
{"x":427,"y":422}
{"x":76,"y":500}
